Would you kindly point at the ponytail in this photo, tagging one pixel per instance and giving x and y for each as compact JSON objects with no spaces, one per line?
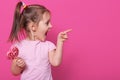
{"x":30,"y":13}
{"x":16,"y":23}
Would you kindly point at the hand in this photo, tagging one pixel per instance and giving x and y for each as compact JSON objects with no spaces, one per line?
{"x":20,"y":62}
{"x":62,"y":36}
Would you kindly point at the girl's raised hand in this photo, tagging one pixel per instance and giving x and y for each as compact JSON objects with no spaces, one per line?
{"x":62,"y":36}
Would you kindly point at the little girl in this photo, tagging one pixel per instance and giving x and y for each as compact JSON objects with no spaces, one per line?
{"x":35,"y":53}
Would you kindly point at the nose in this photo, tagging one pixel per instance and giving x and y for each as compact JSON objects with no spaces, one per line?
{"x":50,"y":25}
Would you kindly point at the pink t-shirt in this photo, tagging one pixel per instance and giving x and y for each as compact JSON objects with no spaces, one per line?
{"x":35,"y":54}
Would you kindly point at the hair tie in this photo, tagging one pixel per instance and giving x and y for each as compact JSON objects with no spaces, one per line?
{"x":24,"y":5}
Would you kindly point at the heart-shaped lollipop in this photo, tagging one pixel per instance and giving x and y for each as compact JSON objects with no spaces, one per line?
{"x":12,"y":53}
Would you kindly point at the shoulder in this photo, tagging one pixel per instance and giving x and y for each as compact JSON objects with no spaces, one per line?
{"x":18,"y":44}
{"x":50,"y":43}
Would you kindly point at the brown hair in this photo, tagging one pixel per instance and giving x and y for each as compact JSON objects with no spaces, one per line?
{"x":21,"y":20}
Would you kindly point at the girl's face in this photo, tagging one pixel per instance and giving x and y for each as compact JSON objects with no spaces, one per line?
{"x":43,"y":27}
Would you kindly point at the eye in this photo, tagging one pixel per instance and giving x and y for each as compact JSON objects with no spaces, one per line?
{"x":47,"y":22}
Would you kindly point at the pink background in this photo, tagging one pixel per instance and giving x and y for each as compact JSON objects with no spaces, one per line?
{"x":92,"y":51}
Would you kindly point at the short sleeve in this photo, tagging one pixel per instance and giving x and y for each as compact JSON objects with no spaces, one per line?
{"x":51,"y":46}
{"x":18,"y":45}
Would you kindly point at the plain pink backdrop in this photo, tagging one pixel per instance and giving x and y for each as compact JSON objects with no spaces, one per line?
{"x":92,"y":51}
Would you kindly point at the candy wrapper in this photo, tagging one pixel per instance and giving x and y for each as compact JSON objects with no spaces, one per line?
{"x":12,"y":53}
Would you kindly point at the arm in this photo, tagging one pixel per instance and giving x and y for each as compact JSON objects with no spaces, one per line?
{"x":55,"y":56}
{"x":17,"y":67}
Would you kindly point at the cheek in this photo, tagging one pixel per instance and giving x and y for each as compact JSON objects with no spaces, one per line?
{"x":41,"y":30}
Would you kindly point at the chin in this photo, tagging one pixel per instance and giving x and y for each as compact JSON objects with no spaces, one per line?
{"x":43,"y":38}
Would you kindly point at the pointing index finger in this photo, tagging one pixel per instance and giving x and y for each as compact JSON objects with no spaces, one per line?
{"x":66,"y":31}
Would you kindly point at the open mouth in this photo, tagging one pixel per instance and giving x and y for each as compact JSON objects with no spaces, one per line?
{"x":46,"y":33}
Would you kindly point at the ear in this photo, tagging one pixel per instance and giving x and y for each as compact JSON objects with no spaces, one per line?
{"x":33,"y":28}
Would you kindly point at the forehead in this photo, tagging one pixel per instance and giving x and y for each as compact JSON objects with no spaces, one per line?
{"x":46,"y":16}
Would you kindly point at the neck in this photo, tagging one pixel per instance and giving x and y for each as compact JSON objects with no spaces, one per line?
{"x":35,"y":38}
